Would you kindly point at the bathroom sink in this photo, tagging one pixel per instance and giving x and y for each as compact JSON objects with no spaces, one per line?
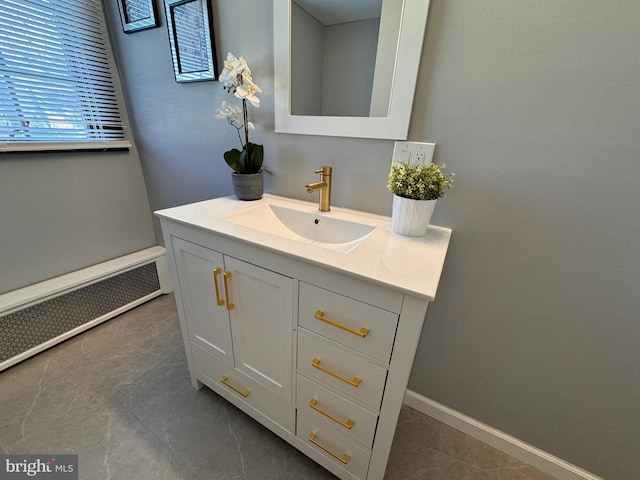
{"x":320,"y":229}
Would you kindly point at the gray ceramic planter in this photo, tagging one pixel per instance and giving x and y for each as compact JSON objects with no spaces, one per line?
{"x":248,"y":186}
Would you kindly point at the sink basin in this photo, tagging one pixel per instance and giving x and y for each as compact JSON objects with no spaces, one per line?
{"x":313,"y":228}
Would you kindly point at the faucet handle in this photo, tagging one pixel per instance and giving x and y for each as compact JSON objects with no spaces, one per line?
{"x":324,"y":170}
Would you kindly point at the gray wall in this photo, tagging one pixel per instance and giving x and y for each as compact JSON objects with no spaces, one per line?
{"x":65,"y":211}
{"x":535,"y":106}
{"x":319,"y":86}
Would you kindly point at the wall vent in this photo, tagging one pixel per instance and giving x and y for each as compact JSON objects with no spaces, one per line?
{"x":40,"y":323}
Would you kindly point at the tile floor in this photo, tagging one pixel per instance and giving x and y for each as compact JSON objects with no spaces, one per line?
{"x":119,"y":396}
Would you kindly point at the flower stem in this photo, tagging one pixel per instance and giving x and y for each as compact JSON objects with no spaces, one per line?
{"x":245,"y":116}
{"x":232,"y":123}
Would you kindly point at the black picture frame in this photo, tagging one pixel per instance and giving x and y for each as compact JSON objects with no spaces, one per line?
{"x":190,"y":26}
{"x":137,"y":15}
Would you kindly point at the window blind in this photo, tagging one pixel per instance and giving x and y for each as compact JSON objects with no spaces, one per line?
{"x":56,"y":85}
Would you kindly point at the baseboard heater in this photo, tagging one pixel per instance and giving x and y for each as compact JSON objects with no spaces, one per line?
{"x":40,"y":316}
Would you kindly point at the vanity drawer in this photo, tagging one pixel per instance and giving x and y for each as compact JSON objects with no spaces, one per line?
{"x":323,"y":405}
{"x":212,"y":371}
{"x":358,"y":325}
{"x":339,"y":449}
{"x":340,"y":370}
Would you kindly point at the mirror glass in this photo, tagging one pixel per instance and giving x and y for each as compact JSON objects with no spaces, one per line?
{"x":326,"y":36}
{"x":336,"y":65}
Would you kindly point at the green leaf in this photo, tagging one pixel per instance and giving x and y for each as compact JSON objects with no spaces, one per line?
{"x":232,"y":157}
{"x":256,"y":155}
{"x":246,"y":160}
{"x":242,"y":162}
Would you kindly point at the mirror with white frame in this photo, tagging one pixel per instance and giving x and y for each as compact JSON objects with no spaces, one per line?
{"x":347,"y":68}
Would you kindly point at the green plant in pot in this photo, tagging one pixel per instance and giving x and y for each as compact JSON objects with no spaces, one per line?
{"x":245,"y":162}
{"x":415,"y":191}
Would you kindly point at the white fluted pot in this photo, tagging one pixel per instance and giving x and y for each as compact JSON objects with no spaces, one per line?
{"x":411,"y":217}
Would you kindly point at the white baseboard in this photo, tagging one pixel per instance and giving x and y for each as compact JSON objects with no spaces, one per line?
{"x":491,"y":436}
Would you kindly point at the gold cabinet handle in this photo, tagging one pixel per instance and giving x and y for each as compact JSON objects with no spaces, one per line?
{"x":244,"y":393}
{"x":354,"y":383}
{"x":361,"y":333}
{"x":217,"y":271}
{"x":227,"y":276}
{"x":313,"y":403}
{"x":344,"y":458}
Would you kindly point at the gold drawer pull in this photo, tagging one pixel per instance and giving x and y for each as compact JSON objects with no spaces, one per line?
{"x":227,"y":276}
{"x":361,"y":333}
{"x":313,"y":403}
{"x":244,"y":393}
{"x":354,"y":383}
{"x":217,"y":271}
{"x":344,"y":458}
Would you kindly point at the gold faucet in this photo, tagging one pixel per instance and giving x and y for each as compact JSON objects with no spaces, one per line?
{"x":324,"y":185}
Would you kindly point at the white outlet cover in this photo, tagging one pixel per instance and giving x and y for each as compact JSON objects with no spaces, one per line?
{"x":413,"y":152}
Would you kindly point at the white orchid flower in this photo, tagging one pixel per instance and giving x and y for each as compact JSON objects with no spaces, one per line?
{"x":234,"y":67}
{"x":247,"y":90}
{"x":233,"y":114}
{"x":228,"y":111}
{"x":244,"y":66}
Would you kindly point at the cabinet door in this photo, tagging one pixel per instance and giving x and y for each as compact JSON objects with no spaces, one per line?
{"x":262,"y":325}
{"x":207,"y":322}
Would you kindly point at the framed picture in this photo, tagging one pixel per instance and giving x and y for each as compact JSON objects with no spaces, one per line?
{"x":137,"y":15}
{"x":190,"y":28}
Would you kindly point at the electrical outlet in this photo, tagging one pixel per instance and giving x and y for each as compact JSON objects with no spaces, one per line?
{"x":415,"y":153}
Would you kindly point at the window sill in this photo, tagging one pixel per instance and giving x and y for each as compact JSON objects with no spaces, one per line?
{"x":92,"y":146}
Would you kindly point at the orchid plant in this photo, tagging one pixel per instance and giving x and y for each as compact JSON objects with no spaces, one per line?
{"x":236,"y":79}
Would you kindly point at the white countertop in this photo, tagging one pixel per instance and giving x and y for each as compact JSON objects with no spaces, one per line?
{"x":409,"y":264}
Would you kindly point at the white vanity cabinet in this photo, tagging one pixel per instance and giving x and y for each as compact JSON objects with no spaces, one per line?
{"x":315,"y":345}
{"x":239,"y":322}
